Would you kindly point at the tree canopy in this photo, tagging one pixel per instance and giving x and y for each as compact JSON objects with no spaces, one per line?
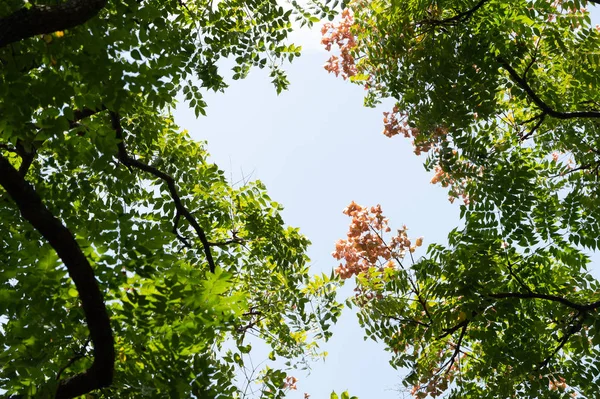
{"x":130,"y":266}
{"x":502,"y":97}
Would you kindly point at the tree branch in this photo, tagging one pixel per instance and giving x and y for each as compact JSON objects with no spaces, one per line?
{"x":456,"y":352}
{"x":553,"y":298}
{"x":451,"y":330}
{"x":8,"y":148}
{"x":235,"y":240}
{"x":80,"y":114}
{"x":27,"y":157}
{"x":175,"y":230}
{"x":405,"y":320}
{"x":100,"y":374}
{"x":130,"y":162}
{"x":514,"y":275}
{"x":545,"y":108}
{"x":541,"y":117}
{"x":41,"y":19}
{"x":78,"y":355}
{"x":460,"y":17}
{"x":575,"y":328}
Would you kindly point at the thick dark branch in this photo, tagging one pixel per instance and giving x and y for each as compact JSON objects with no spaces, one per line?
{"x":27,"y":161}
{"x":451,"y":330}
{"x":130,"y":162}
{"x":226,"y":243}
{"x":553,"y":298}
{"x":460,"y":17}
{"x":545,"y":108}
{"x":27,"y":158}
{"x":80,"y":114}
{"x":587,"y":166}
{"x":32,"y":209}
{"x":8,"y":148}
{"x":41,"y":19}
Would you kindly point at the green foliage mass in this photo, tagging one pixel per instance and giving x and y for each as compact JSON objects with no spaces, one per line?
{"x":188,"y":265}
{"x":504,"y":98}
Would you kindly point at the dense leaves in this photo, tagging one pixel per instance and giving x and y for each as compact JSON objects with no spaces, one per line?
{"x":129,"y":263}
{"x":503,"y":98}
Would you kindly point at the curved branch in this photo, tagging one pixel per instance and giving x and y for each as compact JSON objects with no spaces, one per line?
{"x":537,"y":125}
{"x":554,"y":298}
{"x":41,"y":19}
{"x":130,"y":162}
{"x":545,"y":108}
{"x":575,"y":328}
{"x":452,"y":330}
{"x":456,"y":352}
{"x":460,"y":17}
{"x":100,"y":374}
{"x":226,"y":243}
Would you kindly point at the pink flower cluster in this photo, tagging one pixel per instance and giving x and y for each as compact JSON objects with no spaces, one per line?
{"x":395,"y":123}
{"x":457,"y":187}
{"x":290,"y":383}
{"x":558,"y":384}
{"x":365,"y":246}
{"x":342,"y":36}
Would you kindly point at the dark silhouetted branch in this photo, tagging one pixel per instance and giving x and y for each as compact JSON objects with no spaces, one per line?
{"x":460,"y":17}
{"x":42,"y":19}
{"x":535,"y":127}
{"x":456,"y":352}
{"x":131,"y":162}
{"x":553,"y":298}
{"x":406,"y":321}
{"x":451,"y":330}
{"x":545,"y":108}
{"x":225,"y":243}
{"x":100,"y":374}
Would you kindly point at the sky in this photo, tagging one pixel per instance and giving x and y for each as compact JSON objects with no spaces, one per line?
{"x":316,"y":148}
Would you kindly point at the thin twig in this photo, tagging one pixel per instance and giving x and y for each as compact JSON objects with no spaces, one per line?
{"x":456,"y":349}
{"x":181,"y":238}
{"x":572,"y":331}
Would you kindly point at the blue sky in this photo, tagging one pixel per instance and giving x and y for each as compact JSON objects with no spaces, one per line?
{"x":317,"y":148}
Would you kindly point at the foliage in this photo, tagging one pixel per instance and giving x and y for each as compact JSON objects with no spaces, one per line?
{"x":343,"y":395}
{"x":129,"y":263}
{"x":503,"y":98}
